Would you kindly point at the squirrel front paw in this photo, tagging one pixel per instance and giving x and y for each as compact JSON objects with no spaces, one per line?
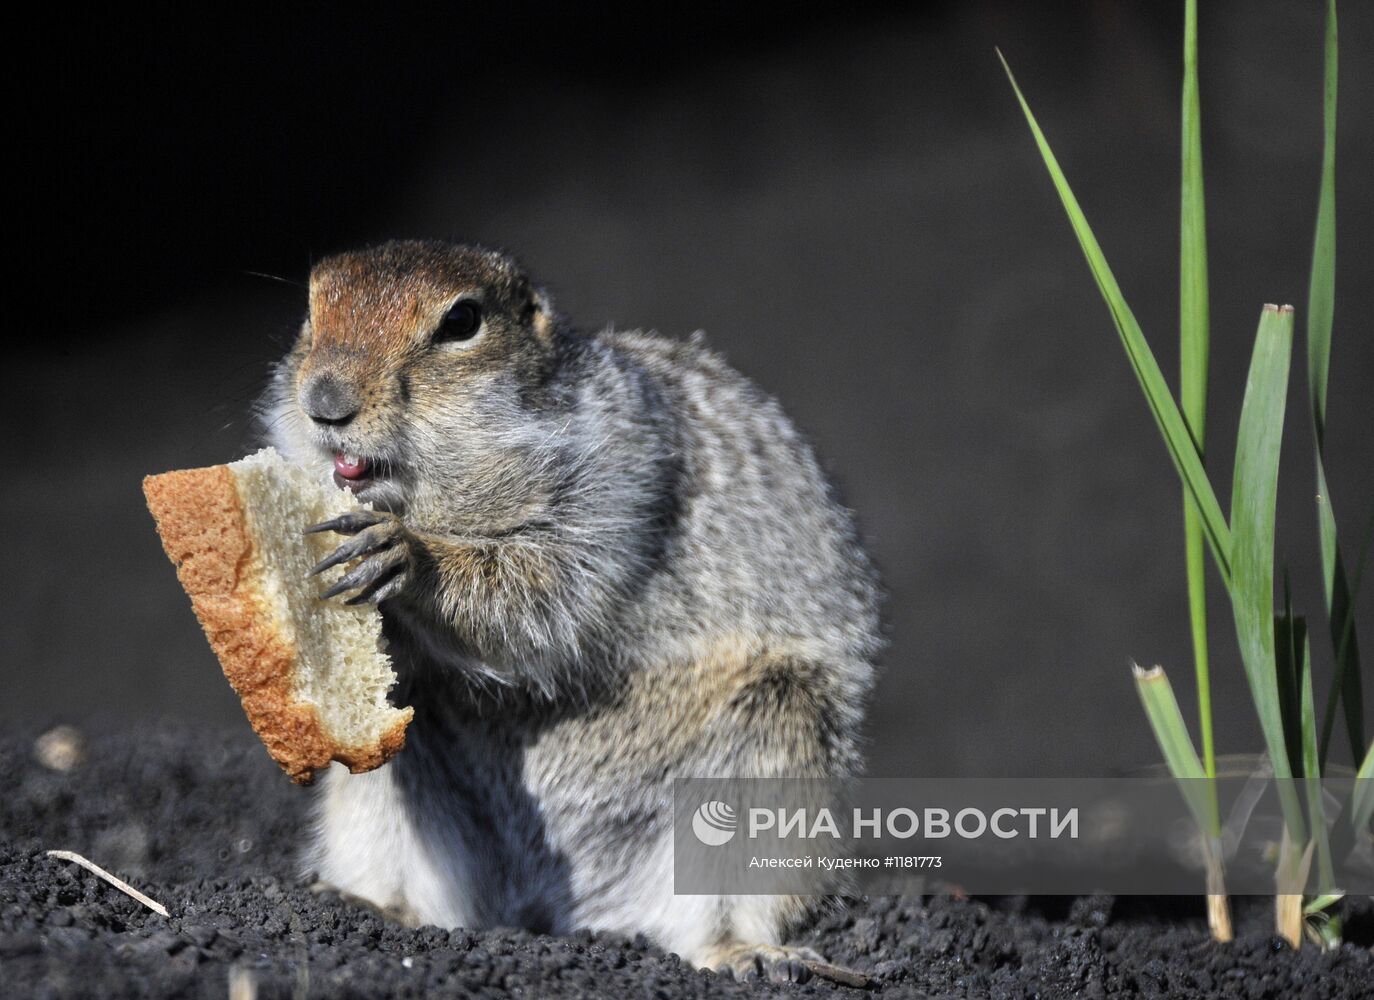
{"x":381,"y":545}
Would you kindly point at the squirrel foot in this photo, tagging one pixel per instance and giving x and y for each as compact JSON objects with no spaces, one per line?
{"x":776,"y":963}
{"x":399,"y":912}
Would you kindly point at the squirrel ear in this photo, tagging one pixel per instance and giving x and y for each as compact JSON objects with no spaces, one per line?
{"x":541,"y":314}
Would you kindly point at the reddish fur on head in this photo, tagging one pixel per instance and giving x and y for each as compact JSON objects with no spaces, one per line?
{"x":411,"y":416}
{"x":373,"y":313}
{"x":385,"y":298}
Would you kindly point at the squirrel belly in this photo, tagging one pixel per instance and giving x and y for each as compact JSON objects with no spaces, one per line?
{"x":606,"y":561}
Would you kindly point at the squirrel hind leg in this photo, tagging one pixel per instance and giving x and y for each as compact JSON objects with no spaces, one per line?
{"x":772,"y":962}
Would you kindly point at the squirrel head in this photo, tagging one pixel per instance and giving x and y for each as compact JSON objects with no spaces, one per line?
{"x":425,"y":372}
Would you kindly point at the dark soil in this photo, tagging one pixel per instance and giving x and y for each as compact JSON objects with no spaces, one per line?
{"x":205,"y":824}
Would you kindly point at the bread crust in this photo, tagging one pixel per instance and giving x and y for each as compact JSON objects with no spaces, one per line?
{"x":201,"y":520}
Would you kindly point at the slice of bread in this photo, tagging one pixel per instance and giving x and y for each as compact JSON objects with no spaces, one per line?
{"x":311,"y":673}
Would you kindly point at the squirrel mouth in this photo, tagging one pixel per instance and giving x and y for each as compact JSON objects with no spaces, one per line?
{"x":373,"y":479}
{"x":352,"y":472}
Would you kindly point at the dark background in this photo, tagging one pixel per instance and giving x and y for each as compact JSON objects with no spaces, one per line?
{"x":844,"y":197}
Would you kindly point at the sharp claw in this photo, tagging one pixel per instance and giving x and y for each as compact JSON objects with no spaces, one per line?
{"x":347,"y":524}
{"x":359,"y":546}
{"x":337,"y":589}
{"x":369,"y":575}
{"x":380,"y":589}
{"x":333,"y":559}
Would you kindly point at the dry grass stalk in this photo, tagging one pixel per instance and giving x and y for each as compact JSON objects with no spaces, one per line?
{"x":115,"y":881}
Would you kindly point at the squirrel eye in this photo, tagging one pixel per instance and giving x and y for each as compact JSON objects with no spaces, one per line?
{"x":462,"y":322}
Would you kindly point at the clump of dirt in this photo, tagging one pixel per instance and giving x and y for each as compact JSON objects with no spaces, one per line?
{"x":207,"y":825}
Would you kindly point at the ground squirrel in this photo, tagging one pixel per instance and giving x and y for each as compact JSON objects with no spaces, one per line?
{"x":603,"y":561}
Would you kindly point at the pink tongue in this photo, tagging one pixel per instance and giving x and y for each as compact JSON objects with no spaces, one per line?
{"x":349,"y":469}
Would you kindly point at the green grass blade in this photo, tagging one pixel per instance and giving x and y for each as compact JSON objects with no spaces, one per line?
{"x":1311,"y":759}
{"x":1254,"y":494}
{"x":1347,"y":654}
{"x":1294,"y":653}
{"x":1193,"y":322}
{"x":1348,"y":631}
{"x":1289,"y":635}
{"x":1362,"y":806}
{"x":1177,"y":438}
{"x":1325,"y":901}
{"x":1322,"y":290}
{"x":1347,"y":687}
{"x":1171,"y":733}
{"x":1194,"y":350}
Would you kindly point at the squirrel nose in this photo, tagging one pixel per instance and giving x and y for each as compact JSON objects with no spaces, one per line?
{"x":328,"y":401}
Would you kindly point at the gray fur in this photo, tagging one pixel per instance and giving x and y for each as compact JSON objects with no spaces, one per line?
{"x":619,"y":563}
